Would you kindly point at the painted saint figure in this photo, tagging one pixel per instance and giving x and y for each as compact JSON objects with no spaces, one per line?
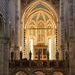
{"x":39,"y":53}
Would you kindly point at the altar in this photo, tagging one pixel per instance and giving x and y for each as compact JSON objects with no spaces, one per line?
{"x":43,"y":51}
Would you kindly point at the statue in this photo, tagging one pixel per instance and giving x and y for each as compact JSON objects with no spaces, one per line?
{"x":48,"y":59}
{"x":30,"y":55}
{"x":67,"y":55}
{"x":57,"y":55}
{"x":67,"y":59}
{"x":39,"y":52}
{"x":47,"y":55}
{"x":20,"y":55}
{"x":39,"y":62}
{"x":12,"y":56}
{"x":57,"y":59}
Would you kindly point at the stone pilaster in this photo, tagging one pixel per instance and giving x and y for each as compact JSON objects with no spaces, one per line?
{"x":71,"y":37}
{"x":4,"y":46}
{"x":67,"y":25}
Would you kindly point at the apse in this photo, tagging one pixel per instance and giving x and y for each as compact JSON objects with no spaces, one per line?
{"x":39,"y":25}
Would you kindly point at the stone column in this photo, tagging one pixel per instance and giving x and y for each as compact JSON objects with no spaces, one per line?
{"x":69,"y":23}
{"x":71,"y":37}
{"x":1,"y":57}
{"x":62,"y":24}
{"x":64,"y":28}
{"x":6,"y":57}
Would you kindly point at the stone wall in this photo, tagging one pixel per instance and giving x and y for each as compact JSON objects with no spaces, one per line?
{"x":4,"y":38}
{"x":8,"y":10}
{"x":14,"y":25}
{"x":72,"y":36}
{"x":68,"y":29}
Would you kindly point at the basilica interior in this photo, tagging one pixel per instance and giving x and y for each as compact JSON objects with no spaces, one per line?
{"x":37,"y":37}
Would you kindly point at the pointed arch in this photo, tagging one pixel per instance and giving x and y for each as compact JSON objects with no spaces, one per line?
{"x":37,"y":6}
{"x":38,"y":14}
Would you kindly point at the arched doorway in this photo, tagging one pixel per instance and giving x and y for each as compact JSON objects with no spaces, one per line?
{"x":58,"y":73}
{"x":38,"y":73}
{"x":21,"y":73}
{"x":38,"y":30}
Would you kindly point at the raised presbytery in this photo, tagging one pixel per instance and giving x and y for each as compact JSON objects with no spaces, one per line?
{"x":37,"y":37}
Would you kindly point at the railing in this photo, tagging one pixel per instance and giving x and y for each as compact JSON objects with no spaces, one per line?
{"x":24,"y":63}
{"x":36,"y":63}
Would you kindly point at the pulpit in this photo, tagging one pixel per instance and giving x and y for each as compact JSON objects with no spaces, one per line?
{"x":43,"y":51}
